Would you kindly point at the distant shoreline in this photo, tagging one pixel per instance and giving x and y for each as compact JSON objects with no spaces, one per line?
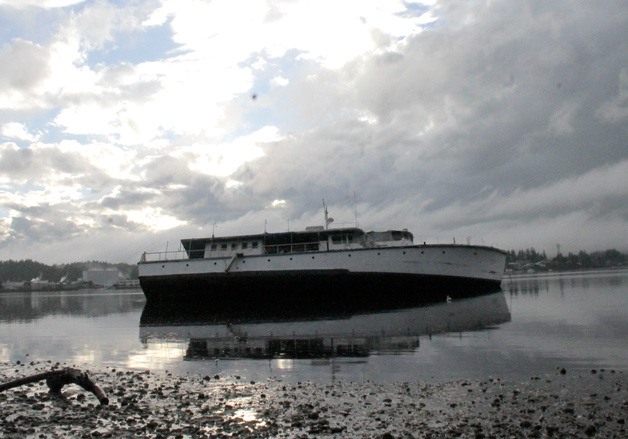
{"x":508,"y":276}
{"x":62,"y":288}
{"x":566,"y":273}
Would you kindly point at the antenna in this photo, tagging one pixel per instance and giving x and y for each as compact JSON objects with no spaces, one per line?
{"x":355,"y":209}
{"x":328,"y":220}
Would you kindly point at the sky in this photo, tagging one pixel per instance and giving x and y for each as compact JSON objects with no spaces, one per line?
{"x":128,"y":125}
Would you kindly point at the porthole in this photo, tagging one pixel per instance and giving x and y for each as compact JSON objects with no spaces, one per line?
{"x":443,"y":251}
{"x":404,"y":253}
{"x":349,"y":255}
{"x":269,"y":260}
{"x":163,"y":266}
{"x":379,"y":254}
{"x":312,"y":257}
{"x":290,"y":258}
{"x":187,"y":265}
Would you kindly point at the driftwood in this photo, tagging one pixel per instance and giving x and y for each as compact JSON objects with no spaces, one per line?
{"x":56,"y":379}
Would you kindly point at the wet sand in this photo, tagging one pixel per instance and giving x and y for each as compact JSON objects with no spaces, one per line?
{"x":159,"y":405}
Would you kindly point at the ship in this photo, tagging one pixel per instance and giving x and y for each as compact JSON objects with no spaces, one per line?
{"x":319,"y":266}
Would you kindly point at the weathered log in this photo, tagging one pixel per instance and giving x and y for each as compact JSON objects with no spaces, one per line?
{"x":56,"y":379}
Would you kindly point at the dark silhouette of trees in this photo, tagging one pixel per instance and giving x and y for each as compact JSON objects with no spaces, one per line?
{"x":27,"y":270}
{"x":521,"y":260}
{"x":529,"y":255}
{"x":530,"y":259}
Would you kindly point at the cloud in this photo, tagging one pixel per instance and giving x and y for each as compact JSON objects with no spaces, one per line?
{"x":489,"y":118}
{"x":501,"y":121}
{"x":25,"y":66}
{"x":17,"y":131}
{"x":45,"y":4}
{"x":596,"y":195}
{"x":615,"y":109}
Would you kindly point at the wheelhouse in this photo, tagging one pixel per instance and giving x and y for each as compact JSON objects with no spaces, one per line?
{"x":390,"y":238}
{"x":311,"y":240}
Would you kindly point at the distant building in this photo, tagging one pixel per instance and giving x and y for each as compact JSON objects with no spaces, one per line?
{"x":124,"y":284}
{"x":11,"y":285}
{"x":105,"y":278}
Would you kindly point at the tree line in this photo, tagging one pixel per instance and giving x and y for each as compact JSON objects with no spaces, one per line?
{"x":531,"y":259}
{"x":27,"y":269}
{"x":521,"y":260}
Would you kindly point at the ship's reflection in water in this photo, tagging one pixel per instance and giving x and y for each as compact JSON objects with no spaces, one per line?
{"x":210,"y":335}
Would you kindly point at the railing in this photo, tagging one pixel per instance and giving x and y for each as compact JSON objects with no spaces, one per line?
{"x":199,"y":254}
{"x":166,"y":255}
{"x":292,"y":248}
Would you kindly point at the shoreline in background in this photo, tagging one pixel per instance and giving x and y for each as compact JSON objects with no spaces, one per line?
{"x":508,"y":276}
{"x":540,"y":274}
{"x":83,"y":286}
{"x":17,"y":273}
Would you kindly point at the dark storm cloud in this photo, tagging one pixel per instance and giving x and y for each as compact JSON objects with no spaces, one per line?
{"x":500,"y":118}
{"x":517,"y":92}
{"x":47,"y":227}
{"x":498,"y":99}
{"x":37,"y":164}
{"x":127,"y":197}
{"x":172,"y":177}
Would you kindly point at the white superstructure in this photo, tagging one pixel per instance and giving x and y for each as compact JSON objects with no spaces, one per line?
{"x":328,"y":258}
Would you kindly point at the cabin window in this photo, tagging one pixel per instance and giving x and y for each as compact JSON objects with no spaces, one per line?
{"x":339,"y":239}
{"x":234,"y":246}
{"x":223,"y":246}
{"x":255,"y":244}
{"x":245,"y":245}
{"x":214,"y":246}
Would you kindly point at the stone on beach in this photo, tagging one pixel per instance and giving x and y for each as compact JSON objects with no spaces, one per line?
{"x":146,"y":404}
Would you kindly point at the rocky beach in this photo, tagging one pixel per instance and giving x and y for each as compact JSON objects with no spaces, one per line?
{"x":163,"y":405}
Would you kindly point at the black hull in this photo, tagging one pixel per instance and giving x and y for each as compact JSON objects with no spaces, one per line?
{"x":301,"y":293}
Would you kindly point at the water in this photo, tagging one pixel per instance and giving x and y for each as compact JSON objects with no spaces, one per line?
{"x":577,"y":321}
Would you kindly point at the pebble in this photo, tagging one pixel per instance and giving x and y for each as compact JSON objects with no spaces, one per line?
{"x":158,"y":405}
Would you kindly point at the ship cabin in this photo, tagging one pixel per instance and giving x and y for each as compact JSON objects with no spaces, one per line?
{"x":390,"y":238}
{"x":313,"y":239}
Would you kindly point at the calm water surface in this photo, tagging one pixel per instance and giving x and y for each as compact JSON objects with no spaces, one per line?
{"x":535,"y":325}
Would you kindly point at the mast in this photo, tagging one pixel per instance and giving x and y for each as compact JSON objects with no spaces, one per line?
{"x":355,"y":209}
{"x":328,"y":220}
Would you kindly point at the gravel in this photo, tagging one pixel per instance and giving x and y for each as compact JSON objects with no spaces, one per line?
{"x":163,"y":405}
